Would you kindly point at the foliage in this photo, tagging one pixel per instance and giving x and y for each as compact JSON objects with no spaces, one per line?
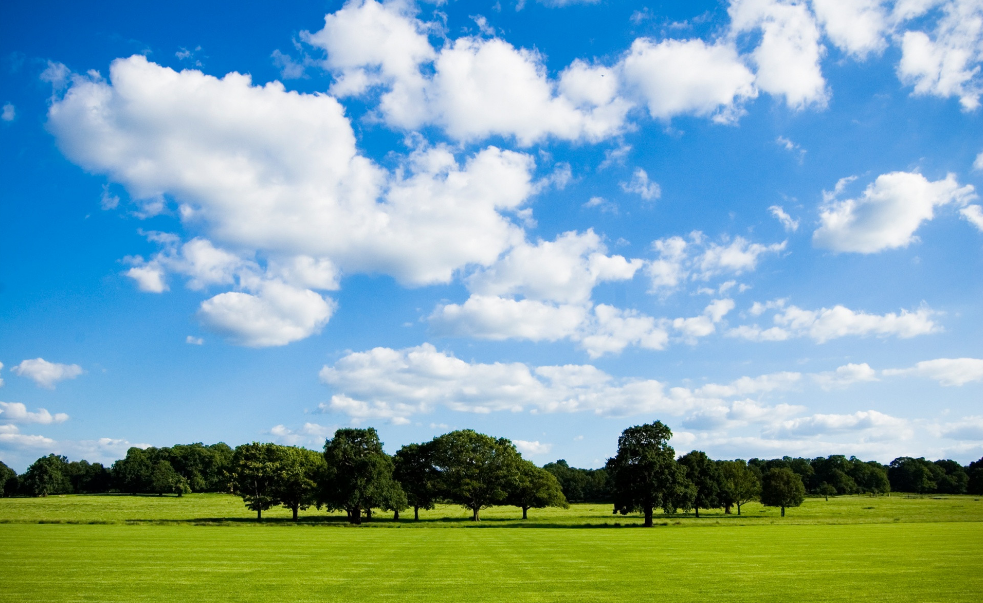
{"x":644,"y":473}
{"x":299,"y":472}
{"x":414,"y":470}
{"x":476,"y":471}
{"x":975,"y":477}
{"x":581,"y":485}
{"x":256,"y":475}
{"x":165,"y":480}
{"x":535,"y":488}
{"x":47,"y":476}
{"x":8,"y":480}
{"x":739,"y":484}
{"x":359,"y":474}
{"x":782,"y":487}
{"x":703,"y":474}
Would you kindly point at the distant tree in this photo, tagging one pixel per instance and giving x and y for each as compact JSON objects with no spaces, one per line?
{"x":975,"y":474}
{"x":535,"y":488}
{"x":165,"y":480}
{"x":414,"y":470}
{"x":702,"y":472}
{"x":782,"y":487}
{"x":47,"y":476}
{"x":132,"y":473}
{"x":391,"y":497}
{"x":87,"y":478}
{"x":8,"y":480}
{"x":739,"y":484}
{"x":359,"y":472}
{"x":913,"y":475}
{"x":827,"y":490}
{"x":869,"y":477}
{"x":299,"y":472}
{"x":476,"y":471}
{"x":581,"y":485}
{"x":954,"y":479}
{"x":644,"y":473}
{"x":256,"y":475}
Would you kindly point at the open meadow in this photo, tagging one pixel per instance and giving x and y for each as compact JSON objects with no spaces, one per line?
{"x":208,"y":547}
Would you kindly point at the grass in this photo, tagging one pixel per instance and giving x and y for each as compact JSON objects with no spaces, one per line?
{"x":147,"y":548}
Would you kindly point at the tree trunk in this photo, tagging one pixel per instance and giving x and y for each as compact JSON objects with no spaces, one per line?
{"x":356,"y":516}
{"x":783,"y":511}
{"x":416,"y":513}
{"x":259,"y":515}
{"x":697,"y":512}
{"x":524,"y":514}
{"x":738,"y":508}
{"x":368,"y":514}
{"x":395,"y":514}
{"x":295,"y":509}
{"x":648,"y":516}
{"x":474,"y":516}
{"x":727,"y":509}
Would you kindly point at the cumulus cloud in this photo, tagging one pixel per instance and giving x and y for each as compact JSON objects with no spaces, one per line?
{"x":824,"y":424}
{"x":46,"y":374}
{"x":532,"y":448}
{"x":788,"y":54}
{"x":839,"y":321}
{"x":642,"y":186}
{"x":788,"y":223}
{"x":705,"y":324}
{"x":11,"y":437}
{"x":968,"y":428}
{"x":845,"y":375}
{"x":308,"y":433}
{"x":499,"y":318}
{"x":974,"y":215}
{"x":15,"y":412}
{"x":680,"y":260}
{"x":388,"y":384}
{"x":678,"y":77}
{"x":887,"y":214}
{"x":947,"y":371}
{"x":858,"y":27}
{"x":946,"y":61}
{"x":9,"y":112}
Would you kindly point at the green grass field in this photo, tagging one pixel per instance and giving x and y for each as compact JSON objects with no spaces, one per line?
{"x":147,"y":548}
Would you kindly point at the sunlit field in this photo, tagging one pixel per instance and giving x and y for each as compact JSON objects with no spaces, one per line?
{"x":150,"y":548}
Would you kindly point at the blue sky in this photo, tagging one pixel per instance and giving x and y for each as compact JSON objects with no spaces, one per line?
{"x":757,"y":221}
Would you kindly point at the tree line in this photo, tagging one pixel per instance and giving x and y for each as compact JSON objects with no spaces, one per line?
{"x":355,"y":475}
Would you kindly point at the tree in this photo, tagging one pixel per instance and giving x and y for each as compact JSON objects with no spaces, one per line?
{"x":256,"y":475}
{"x":132,"y":473}
{"x":47,"y":476}
{"x":975,"y":473}
{"x":535,"y":488}
{"x":782,"y":487}
{"x":702,"y":472}
{"x":359,"y":473}
{"x":581,"y":485}
{"x":415,"y":472}
{"x":739,"y":484}
{"x":8,"y":480}
{"x":913,"y":475}
{"x":954,"y":479}
{"x":165,"y":480}
{"x":644,"y":473}
{"x":476,"y":471}
{"x":826,"y":489}
{"x":300,"y":470}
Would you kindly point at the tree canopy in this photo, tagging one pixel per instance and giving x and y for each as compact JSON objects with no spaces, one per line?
{"x":535,"y":488}
{"x":782,"y":487}
{"x":476,"y":471}
{"x":644,"y":473}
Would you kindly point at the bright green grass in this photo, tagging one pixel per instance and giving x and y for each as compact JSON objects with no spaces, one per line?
{"x":221,"y":508}
{"x":858,"y":562}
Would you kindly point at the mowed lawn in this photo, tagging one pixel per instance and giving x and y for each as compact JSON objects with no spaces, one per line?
{"x":164,"y":555}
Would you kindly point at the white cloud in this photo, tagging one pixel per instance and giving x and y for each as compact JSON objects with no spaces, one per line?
{"x":192,"y":340}
{"x":947,"y":63}
{"x":787,"y":57}
{"x":499,"y":318}
{"x":10,"y":436}
{"x":641,"y":186}
{"x":839,"y":321}
{"x":968,"y":428}
{"x":846,"y":375}
{"x":822,"y":424}
{"x":788,"y":223}
{"x":855,"y":26}
{"x":15,"y":412}
{"x":947,"y":371}
{"x":974,"y":215}
{"x":9,"y":113}
{"x":46,"y":374}
{"x":532,"y":448}
{"x":679,"y":77}
{"x":274,"y":314}
{"x":680,"y":260}
{"x":887,"y":214}
{"x":565,"y":270}
{"x":611,"y":330}
{"x":705,"y":324}
{"x":749,"y":386}
{"x":308,"y":433}
{"x":148,"y":277}
{"x":1,"y":380}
